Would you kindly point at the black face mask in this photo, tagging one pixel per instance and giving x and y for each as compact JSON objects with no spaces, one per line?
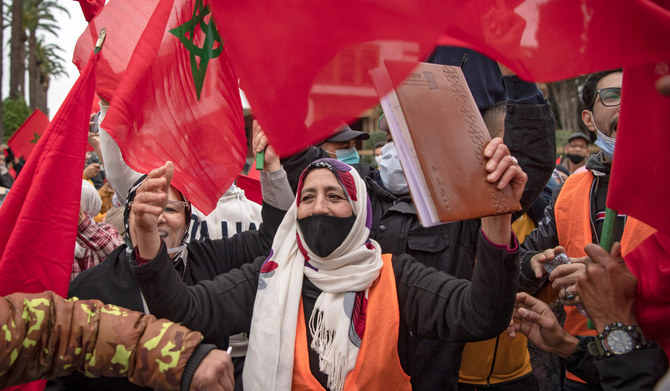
{"x":575,"y":159}
{"x":323,"y":234}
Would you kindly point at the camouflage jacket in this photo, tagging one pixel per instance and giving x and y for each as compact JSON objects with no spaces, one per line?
{"x":43,"y":336}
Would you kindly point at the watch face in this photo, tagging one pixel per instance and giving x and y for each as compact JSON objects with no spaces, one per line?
{"x":619,"y":341}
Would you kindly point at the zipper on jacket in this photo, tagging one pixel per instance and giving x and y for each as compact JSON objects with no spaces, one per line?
{"x":493,"y":363}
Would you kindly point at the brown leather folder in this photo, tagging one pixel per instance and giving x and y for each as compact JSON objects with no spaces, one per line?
{"x":434,"y":115}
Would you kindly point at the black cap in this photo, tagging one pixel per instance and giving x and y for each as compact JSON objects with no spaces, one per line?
{"x":579,"y":135}
{"x":345,"y":133}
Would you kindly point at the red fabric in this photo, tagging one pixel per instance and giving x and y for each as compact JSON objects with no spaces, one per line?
{"x":22,"y":141}
{"x":304,"y":64}
{"x":251,"y":187}
{"x":639,"y":185}
{"x":91,"y":8}
{"x":38,"y":220}
{"x":156,"y":114}
{"x":650,"y":263}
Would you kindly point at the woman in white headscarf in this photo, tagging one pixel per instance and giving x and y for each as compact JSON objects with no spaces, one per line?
{"x":324,"y":308}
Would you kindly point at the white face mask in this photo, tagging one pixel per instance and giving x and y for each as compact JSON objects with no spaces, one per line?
{"x":390,"y":171}
{"x":378,"y":158}
{"x":606,"y":143}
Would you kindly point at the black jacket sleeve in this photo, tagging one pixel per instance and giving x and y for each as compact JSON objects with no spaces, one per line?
{"x":437,"y":305}
{"x":637,"y":370}
{"x":220,"y":307}
{"x":530,"y":135}
{"x":229,"y":253}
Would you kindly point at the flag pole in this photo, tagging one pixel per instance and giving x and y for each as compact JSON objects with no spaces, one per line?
{"x":608,"y":229}
{"x":101,"y":41}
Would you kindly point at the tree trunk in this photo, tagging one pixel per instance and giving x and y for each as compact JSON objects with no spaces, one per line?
{"x":42,"y":90}
{"x":565,"y":96}
{"x":33,"y":74}
{"x":17,"y":57}
{"x":2,"y":60}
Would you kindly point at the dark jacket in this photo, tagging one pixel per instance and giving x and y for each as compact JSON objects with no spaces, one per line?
{"x":432,"y":304}
{"x":451,"y":248}
{"x":638,"y":370}
{"x":113,"y":282}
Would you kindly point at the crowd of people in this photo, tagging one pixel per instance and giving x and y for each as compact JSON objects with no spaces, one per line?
{"x":333,"y":283}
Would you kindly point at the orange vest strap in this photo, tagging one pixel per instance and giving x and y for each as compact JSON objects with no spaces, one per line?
{"x":378,"y":365}
{"x":572,"y":213}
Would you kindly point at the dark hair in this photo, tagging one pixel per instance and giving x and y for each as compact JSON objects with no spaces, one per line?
{"x":379,"y":144}
{"x":589,"y":86}
{"x":493,"y":116}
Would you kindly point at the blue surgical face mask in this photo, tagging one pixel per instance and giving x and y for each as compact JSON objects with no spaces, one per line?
{"x":606,"y":143}
{"x":348,"y":155}
{"x":390,"y":171}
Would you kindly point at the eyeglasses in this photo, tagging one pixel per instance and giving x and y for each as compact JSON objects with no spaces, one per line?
{"x":174,"y":208}
{"x":609,"y":97}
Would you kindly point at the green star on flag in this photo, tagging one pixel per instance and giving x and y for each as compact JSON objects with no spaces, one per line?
{"x":36,"y":139}
{"x":186,"y":34}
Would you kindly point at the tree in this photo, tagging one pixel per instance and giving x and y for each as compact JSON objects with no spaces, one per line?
{"x":17,"y":64}
{"x":48,"y":64}
{"x":565,"y":96}
{"x":16,"y":112}
{"x":38,"y":15}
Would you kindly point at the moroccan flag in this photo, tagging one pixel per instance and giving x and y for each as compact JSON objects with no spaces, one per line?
{"x":91,"y":8}
{"x":304,"y":65}
{"x":639,"y":185}
{"x":24,"y":140}
{"x":650,"y":263}
{"x":38,"y":220}
{"x":177,"y":99}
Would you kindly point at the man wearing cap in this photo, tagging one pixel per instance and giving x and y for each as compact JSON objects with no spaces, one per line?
{"x":342,"y":145}
{"x":576,"y":150}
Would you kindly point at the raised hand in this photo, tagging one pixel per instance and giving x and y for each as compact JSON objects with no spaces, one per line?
{"x":150,"y":200}
{"x":503,"y":168}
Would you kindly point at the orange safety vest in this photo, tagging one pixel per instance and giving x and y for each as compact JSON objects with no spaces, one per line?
{"x":572,"y":213}
{"x":378,"y":364}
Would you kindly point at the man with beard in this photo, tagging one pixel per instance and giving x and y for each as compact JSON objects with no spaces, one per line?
{"x":576,"y":150}
{"x":575,"y":217}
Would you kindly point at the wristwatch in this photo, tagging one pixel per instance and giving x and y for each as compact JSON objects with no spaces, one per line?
{"x":617,"y":338}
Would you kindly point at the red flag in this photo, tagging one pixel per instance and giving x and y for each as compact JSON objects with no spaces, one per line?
{"x":251,"y":184}
{"x":650,"y":263}
{"x":178,"y":100}
{"x":24,"y":140}
{"x":39,"y":216}
{"x":304,"y":64}
{"x":638,"y":184}
{"x":38,"y":220}
{"x":91,"y":8}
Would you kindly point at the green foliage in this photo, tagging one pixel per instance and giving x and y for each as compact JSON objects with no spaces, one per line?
{"x":15,"y":111}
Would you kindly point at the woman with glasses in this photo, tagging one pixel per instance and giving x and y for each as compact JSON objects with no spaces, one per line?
{"x":113,"y":282}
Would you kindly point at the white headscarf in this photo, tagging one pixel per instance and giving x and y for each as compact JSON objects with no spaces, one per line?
{"x":90,"y":199}
{"x":352,"y":267}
